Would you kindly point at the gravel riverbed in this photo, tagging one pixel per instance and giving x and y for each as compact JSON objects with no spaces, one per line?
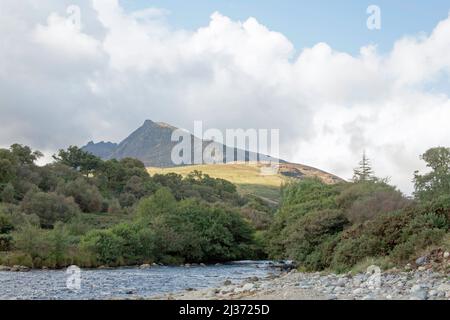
{"x":407,"y":285}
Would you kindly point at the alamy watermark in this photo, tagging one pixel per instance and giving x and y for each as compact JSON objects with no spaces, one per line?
{"x":74,"y":16}
{"x":374,"y":278}
{"x":214,"y":146}
{"x":374,"y":20}
{"x":73,"y":281}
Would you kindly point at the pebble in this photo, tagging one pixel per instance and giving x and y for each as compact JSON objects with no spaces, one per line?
{"x":248,"y":286}
{"x":419,"y":292}
{"x":227,"y":282}
{"x":422,"y":260}
{"x":395,"y":285}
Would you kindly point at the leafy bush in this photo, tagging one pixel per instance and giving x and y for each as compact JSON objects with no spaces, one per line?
{"x":312,"y":233}
{"x":340,"y":226}
{"x":106,"y":246}
{"x":49,"y":207}
{"x":435,"y":183}
{"x":85,"y":194}
{"x":8,"y":194}
{"x":6,"y":225}
{"x":5,"y":242}
{"x":32,"y":241}
{"x":364,"y":201}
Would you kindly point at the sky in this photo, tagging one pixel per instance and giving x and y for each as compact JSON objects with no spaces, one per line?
{"x":312,"y":69}
{"x":341,"y":24}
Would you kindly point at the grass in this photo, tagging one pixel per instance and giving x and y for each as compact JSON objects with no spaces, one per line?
{"x":247,"y":177}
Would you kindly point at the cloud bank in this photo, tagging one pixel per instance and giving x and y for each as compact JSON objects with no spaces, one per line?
{"x":63,"y":84}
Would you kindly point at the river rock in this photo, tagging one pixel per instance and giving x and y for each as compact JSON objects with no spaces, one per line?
{"x":338,"y":290}
{"x":248,"y":287}
{"x":227,"y":282}
{"x":422,"y":260}
{"x":5,"y":268}
{"x":432,"y":293}
{"x":445,"y":289}
{"x":446,"y":254}
{"x":341,"y":282}
{"x":419,"y":292}
{"x":144,"y":266}
{"x":358,"y":291}
{"x":17,"y":268}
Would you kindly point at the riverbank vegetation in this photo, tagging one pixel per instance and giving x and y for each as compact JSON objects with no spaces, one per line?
{"x":85,"y":211}
{"x":89,"y":212}
{"x":340,"y":226}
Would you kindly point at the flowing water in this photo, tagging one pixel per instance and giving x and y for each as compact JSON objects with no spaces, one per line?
{"x":126,"y":282}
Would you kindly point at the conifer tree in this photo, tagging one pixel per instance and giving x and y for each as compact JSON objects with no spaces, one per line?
{"x":364,"y":172}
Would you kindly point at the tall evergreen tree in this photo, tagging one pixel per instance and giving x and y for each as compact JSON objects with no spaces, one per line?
{"x":364,"y":172}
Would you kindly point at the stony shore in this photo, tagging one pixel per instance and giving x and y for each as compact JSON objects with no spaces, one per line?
{"x":394,"y":285}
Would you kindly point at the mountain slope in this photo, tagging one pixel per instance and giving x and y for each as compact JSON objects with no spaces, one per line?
{"x":152,"y":144}
{"x":248,"y":178}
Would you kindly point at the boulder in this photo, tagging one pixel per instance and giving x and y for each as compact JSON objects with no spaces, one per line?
{"x":419,"y":292}
{"x":422,"y":260}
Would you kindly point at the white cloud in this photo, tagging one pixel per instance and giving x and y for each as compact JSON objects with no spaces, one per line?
{"x":66,"y":38}
{"x":63,"y":85}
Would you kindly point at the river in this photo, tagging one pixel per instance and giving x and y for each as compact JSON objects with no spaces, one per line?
{"x":126,"y":282}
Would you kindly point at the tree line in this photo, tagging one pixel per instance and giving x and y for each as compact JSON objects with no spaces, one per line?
{"x":82,"y":210}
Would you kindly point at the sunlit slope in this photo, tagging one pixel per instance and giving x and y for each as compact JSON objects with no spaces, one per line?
{"x":249,"y":178}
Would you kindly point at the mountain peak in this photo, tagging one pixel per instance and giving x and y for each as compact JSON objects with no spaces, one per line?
{"x":165,"y":125}
{"x":148,"y":123}
{"x":157,"y":125}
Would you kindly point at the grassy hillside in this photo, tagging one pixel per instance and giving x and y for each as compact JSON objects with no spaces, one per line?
{"x":248,"y":176}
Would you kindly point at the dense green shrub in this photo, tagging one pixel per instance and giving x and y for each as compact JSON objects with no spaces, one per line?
{"x":138,"y":243}
{"x":32,"y":241}
{"x":311,"y":233}
{"x":106,"y":246}
{"x":85,"y":194}
{"x":343,"y":225}
{"x":6,"y":225}
{"x":8,"y":193}
{"x":366,"y":200}
{"x":435,"y":183}
{"x":298,"y":200}
{"x":49,"y":207}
